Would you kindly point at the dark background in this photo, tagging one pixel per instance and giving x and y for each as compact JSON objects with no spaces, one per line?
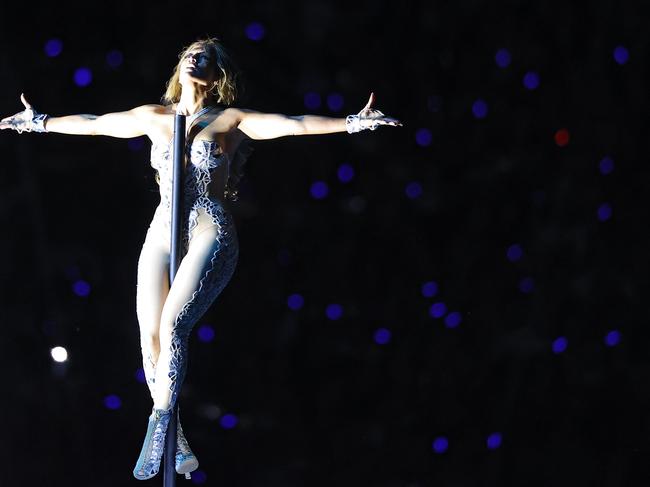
{"x":318,"y":401}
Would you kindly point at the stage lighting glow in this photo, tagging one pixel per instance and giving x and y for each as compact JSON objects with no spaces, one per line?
{"x":319,"y":190}
{"x":562,"y":137}
{"x":81,"y":288}
{"x":621,"y":55}
{"x":206,"y":333}
{"x":429,"y":289}
{"x":438,"y":310}
{"x":228,"y":421}
{"x":502,"y":58}
{"x":452,"y":320}
{"x":531,"y":80}
{"x":382,"y":336}
{"x":413,"y":190}
{"x":334,"y":311}
{"x":494,"y":441}
{"x":312,"y":100}
{"x":199,"y":477}
{"x":112,"y":402}
{"x":295,"y":302}
{"x":140,"y":376}
{"x":440,"y":444}
{"x":423,"y":137}
{"x":559,"y":345}
{"x":606,"y":165}
{"x":255,"y":31}
{"x":604,"y":212}
{"x":612,"y":338}
{"x":480,"y":108}
{"x":335,"y":102}
{"x":345,"y":173}
{"x":514,"y":252}
{"x":114,"y":58}
{"x":83,"y":77}
{"x":527,"y":285}
{"x":53,"y":47}
{"x":59,"y":354}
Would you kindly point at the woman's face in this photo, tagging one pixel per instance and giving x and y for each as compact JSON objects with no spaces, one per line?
{"x":196,"y":67}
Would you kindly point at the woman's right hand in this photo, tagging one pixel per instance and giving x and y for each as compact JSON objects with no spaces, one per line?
{"x":26,"y":121}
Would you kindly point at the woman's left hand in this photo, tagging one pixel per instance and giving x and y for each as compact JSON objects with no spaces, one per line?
{"x":371,"y":118}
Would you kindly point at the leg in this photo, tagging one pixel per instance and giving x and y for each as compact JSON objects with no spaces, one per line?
{"x":204,"y":272}
{"x":152,"y":290}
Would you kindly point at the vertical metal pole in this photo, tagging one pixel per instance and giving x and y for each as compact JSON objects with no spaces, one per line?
{"x":175,"y":259}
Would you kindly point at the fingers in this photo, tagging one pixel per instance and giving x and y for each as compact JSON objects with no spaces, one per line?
{"x":28,"y":106}
{"x":371,"y":100}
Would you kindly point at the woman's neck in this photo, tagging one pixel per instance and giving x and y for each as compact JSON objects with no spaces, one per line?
{"x":191,"y":102}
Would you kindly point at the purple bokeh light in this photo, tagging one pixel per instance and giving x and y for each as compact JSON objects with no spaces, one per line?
{"x":560,"y":344}
{"x":440,"y":444}
{"x":502,"y":58}
{"x":334,"y":311}
{"x":606,"y":165}
{"x":112,"y":402}
{"x":604,"y":212}
{"x":53,"y":47}
{"x":514,"y":252}
{"x":295,"y":302}
{"x":612,"y":338}
{"x":438,"y":310}
{"x":136,"y":144}
{"x":228,"y":421}
{"x":494,"y":441}
{"x":312,"y":100}
{"x":531,"y":80}
{"x":480,"y":108}
{"x":423,"y":137}
{"x":206,"y":333}
{"x":255,"y":31}
{"x":621,"y":55}
{"x":527,"y":285}
{"x":382,"y":336}
{"x":413,"y":190}
{"x":81,"y":288}
{"x":83,"y":77}
{"x":345,"y":173}
{"x":199,"y":477}
{"x":452,"y":320}
{"x":335,"y":102}
{"x":429,"y":289}
{"x":140,"y":376}
{"x":114,"y":58}
{"x":319,"y":190}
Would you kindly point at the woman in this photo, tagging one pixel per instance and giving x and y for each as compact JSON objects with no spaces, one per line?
{"x":203,"y":88}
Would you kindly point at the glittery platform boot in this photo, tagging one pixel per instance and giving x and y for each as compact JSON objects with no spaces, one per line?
{"x":186,"y":461}
{"x":154,"y":445}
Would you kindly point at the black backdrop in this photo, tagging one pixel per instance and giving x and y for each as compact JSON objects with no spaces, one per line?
{"x":318,"y":401}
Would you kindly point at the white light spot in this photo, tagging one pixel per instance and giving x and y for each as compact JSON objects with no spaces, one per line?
{"x":59,"y":354}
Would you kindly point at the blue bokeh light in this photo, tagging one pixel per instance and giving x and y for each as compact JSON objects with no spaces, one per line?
{"x":136,"y":144}
{"x":503,"y":58}
{"x":295,"y":302}
{"x":206,"y":333}
{"x":494,"y":441}
{"x":334,"y":311}
{"x":53,"y":47}
{"x":319,"y":190}
{"x":255,"y":31}
{"x":345,"y":173}
{"x":604,"y":212}
{"x":413,"y":190}
{"x":429,"y":289}
{"x":527,"y":285}
{"x":83,"y":77}
{"x":612,"y":338}
{"x":440,"y":444}
{"x":199,"y":477}
{"x":560,"y":344}
{"x":514,"y":252}
{"x":606,"y":165}
{"x":81,"y":288}
{"x":382,"y":336}
{"x":423,"y":137}
{"x":335,"y":102}
{"x":312,"y":100}
{"x":452,"y":320}
{"x":228,"y":421}
{"x":480,"y":108}
{"x":114,"y":58}
{"x":140,"y":376}
{"x":438,"y":310}
{"x":112,"y":402}
{"x":621,"y":55}
{"x":531,"y":80}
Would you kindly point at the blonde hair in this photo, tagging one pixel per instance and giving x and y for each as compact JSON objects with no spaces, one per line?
{"x":224,"y":90}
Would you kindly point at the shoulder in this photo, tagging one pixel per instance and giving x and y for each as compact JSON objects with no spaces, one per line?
{"x":150,"y":110}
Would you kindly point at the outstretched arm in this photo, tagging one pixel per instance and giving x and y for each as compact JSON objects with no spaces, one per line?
{"x":259,"y":126}
{"x":131,"y":123}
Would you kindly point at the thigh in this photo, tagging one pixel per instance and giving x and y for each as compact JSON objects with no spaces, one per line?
{"x":152,"y":282}
{"x":203,"y":273}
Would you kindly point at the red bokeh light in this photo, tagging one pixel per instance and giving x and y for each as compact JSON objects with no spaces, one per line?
{"x":562,"y":137}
